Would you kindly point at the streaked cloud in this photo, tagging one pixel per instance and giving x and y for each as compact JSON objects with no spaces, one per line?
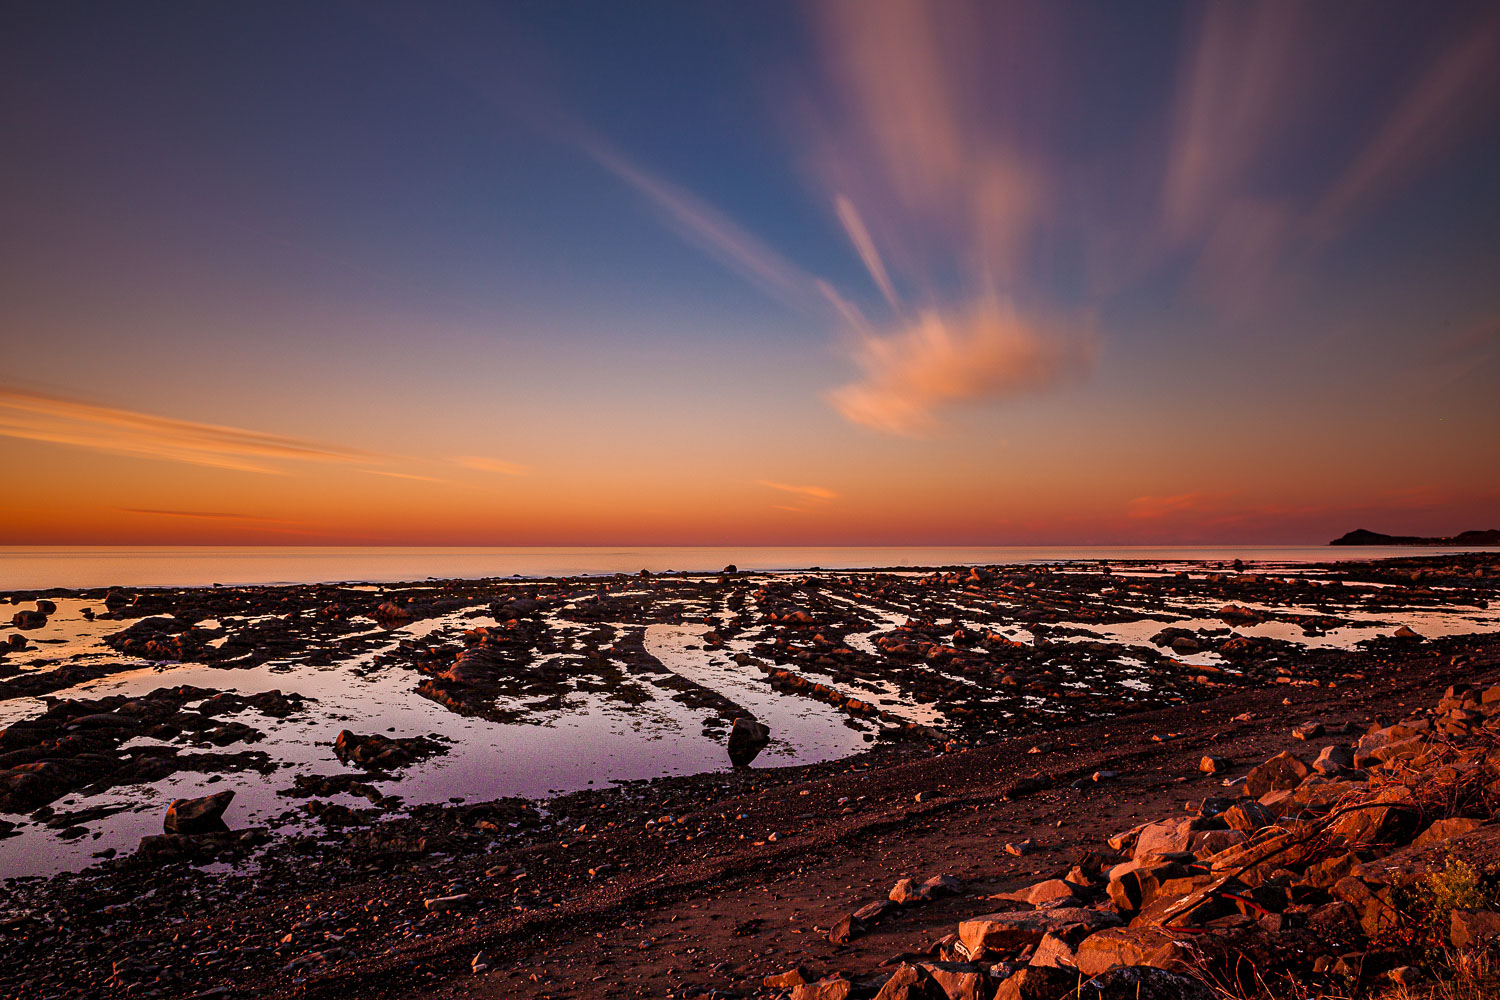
{"x":495,"y":465}
{"x":1453,"y":93}
{"x":37,"y":417}
{"x":957,"y":192}
{"x":865,"y":247}
{"x":1154,"y":507}
{"x":711,"y":230}
{"x":810,"y":492}
{"x":412,"y":476}
{"x":206,"y":515}
{"x":986,"y":352}
{"x":1258,"y":79}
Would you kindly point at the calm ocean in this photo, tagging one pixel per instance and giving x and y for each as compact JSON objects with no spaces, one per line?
{"x":36,"y":567}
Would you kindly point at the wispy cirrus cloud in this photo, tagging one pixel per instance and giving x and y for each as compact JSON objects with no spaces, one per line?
{"x":206,"y":515}
{"x":710,"y":229}
{"x":1453,"y":93}
{"x":37,"y":417}
{"x":224,"y":520}
{"x":480,"y":463}
{"x":1258,"y":79}
{"x":854,"y":225}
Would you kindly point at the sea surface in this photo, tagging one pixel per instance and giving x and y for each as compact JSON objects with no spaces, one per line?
{"x":39,"y":567}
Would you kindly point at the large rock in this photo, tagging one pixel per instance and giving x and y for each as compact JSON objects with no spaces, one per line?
{"x":1371,"y":904}
{"x":1134,"y":884}
{"x":797,"y":975}
{"x":1127,"y":946}
{"x":1165,"y":837}
{"x":1281,"y":772}
{"x":1248,"y":816}
{"x":910,"y":982}
{"x":205,"y":815}
{"x":1138,"y":982}
{"x":1334,"y":760}
{"x":1471,"y":928}
{"x":1391,"y":816}
{"x":833,"y":988}
{"x":1008,"y":933}
{"x":1446,"y":829}
{"x":958,"y":980}
{"x":747,"y":738}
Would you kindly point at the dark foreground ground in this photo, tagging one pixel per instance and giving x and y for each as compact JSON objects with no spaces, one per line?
{"x":692,"y":886}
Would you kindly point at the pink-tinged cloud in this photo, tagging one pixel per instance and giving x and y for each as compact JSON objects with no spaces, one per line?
{"x":865,"y":247}
{"x":912,"y":136}
{"x":1155,"y":507}
{"x":986,"y":352}
{"x":206,"y":515}
{"x":810,"y":492}
{"x":37,"y":417}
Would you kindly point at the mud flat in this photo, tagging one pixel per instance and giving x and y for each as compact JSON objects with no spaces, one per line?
{"x":539,"y":769}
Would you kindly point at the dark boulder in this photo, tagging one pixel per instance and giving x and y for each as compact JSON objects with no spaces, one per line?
{"x":205,"y":815}
{"x":28,"y":619}
{"x":747,"y":739}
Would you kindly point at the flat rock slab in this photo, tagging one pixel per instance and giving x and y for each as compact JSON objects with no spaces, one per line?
{"x":1008,"y":933}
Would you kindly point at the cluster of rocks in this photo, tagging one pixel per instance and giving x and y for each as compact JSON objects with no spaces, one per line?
{"x":79,"y":744}
{"x":1350,"y":867}
{"x":384,"y":753}
{"x":32,"y":618}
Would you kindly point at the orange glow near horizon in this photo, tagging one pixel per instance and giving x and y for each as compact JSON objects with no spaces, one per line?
{"x":120,"y":477}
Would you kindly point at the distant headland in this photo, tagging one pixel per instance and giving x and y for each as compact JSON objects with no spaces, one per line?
{"x":1360,"y":536}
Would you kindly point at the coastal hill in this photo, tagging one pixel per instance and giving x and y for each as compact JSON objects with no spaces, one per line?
{"x":1360,"y":536}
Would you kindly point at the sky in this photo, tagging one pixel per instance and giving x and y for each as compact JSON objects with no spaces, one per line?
{"x":654,"y":273}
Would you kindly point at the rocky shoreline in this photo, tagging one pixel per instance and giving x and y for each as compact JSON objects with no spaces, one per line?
{"x":1376,"y":861}
{"x":708,"y":883}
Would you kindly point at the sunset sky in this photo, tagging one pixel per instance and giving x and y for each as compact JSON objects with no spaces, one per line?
{"x":707,"y":272}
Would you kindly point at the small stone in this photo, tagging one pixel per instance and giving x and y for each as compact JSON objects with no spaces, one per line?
{"x":1214,"y":765}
